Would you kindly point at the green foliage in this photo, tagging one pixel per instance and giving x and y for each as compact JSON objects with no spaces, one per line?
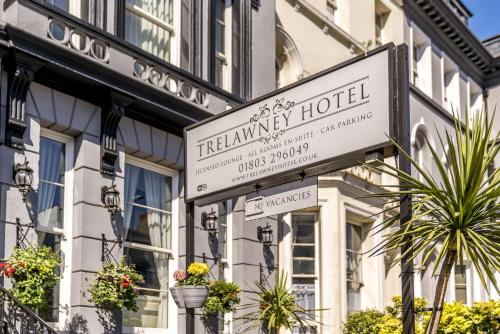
{"x":480,"y":318}
{"x":222,"y":297}
{"x":278,"y":309}
{"x":458,"y":208}
{"x":114,"y":286}
{"x":455,"y":211}
{"x":33,"y":270}
{"x":364,"y":322}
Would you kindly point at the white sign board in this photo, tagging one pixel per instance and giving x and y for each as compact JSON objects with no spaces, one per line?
{"x":344,"y":110}
{"x":284,"y":198}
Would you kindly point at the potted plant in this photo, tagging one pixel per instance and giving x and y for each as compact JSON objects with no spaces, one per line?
{"x":190,"y":288}
{"x":278,"y":309}
{"x":114,"y":286}
{"x":222,"y":297}
{"x":33,"y":271}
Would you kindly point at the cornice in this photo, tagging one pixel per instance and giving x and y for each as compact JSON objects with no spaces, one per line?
{"x":454,"y":37}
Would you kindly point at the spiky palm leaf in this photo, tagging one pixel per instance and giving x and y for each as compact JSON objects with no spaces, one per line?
{"x":278,"y":309}
{"x":456,"y":212}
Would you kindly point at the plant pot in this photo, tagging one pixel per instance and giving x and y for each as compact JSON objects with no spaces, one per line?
{"x":178,"y":296}
{"x":194,"y":296}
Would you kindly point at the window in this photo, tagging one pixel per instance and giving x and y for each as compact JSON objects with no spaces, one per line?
{"x":414,"y":61}
{"x":53,"y":211}
{"x":381,"y":16}
{"x":222,"y":43}
{"x":149,"y":25}
{"x":51,"y":183}
{"x":304,"y":265}
{"x":331,"y":8}
{"x":148,"y":234}
{"x":353,"y":266}
{"x":461,"y":283}
{"x":91,"y":11}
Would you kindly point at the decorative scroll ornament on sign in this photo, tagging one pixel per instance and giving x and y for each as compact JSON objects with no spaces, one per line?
{"x":265,"y":112}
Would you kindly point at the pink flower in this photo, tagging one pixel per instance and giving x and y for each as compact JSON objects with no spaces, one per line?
{"x":180,"y":275}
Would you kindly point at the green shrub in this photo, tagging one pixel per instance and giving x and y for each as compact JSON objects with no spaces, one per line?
{"x":364,"y":322}
{"x":480,"y":318}
{"x":222,"y":297}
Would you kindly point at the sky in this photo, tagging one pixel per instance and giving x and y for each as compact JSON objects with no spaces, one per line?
{"x":486,"y":19}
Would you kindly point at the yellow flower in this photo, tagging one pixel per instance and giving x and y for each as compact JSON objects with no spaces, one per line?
{"x":198,"y":268}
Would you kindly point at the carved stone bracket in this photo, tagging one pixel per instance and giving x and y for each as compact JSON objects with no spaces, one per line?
{"x":19,"y":79}
{"x":110,"y":119}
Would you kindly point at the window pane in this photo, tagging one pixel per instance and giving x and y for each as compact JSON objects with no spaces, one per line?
{"x":219,"y":37}
{"x":304,"y":290}
{"x":353,"y":237}
{"x":49,"y":311}
{"x":144,"y":31}
{"x":153,"y":311}
{"x":303,"y":229}
{"x":304,"y":267}
{"x":460,"y":283}
{"x":219,"y":72}
{"x":51,"y":196}
{"x":147,"y":316}
{"x":303,"y":251}
{"x":353,"y":297}
{"x":146,"y":193}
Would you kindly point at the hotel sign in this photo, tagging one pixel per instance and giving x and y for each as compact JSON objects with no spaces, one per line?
{"x":283,"y":198}
{"x":343,"y":110}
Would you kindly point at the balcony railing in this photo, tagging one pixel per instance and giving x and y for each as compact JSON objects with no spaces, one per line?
{"x":16,"y":318}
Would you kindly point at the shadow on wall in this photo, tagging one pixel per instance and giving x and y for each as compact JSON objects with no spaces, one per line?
{"x":111,"y":321}
{"x":78,"y":325}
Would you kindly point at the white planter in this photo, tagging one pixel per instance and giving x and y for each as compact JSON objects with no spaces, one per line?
{"x":178,"y":296}
{"x":192,"y":296}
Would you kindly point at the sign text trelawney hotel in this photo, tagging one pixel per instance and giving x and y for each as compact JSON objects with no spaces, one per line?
{"x":341,"y":111}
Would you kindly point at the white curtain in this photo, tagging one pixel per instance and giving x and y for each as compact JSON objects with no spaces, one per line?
{"x":49,"y":170}
{"x":145,"y":34}
{"x":155,"y":188}
{"x":131,"y":180}
{"x":305,"y":295}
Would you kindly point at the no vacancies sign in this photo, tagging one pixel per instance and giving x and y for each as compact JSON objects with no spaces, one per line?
{"x":283,"y":198}
{"x":343,"y":110}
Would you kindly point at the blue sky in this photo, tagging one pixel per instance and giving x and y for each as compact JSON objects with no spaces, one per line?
{"x":486,"y":20}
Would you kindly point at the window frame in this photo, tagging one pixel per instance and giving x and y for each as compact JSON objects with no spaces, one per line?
{"x":288,"y":218}
{"x":361,"y":273}
{"x":174,"y":28}
{"x":226,"y":57}
{"x":174,"y":243}
{"x":66,"y":232}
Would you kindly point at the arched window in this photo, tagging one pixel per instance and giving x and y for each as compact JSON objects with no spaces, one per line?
{"x":288,"y":62}
{"x":422,"y":153}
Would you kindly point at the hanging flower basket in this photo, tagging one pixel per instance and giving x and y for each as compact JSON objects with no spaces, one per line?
{"x":33,"y":273}
{"x":114,"y":286}
{"x":190,"y":290}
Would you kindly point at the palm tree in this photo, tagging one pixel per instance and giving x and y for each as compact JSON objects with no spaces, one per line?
{"x":455,"y":213}
{"x":278,"y":309}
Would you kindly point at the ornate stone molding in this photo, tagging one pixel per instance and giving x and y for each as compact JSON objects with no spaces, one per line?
{"x":19,"y":78}
{"x":171,"y":83}
{"x":78,"y":40}
{"x":111,"y":115}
